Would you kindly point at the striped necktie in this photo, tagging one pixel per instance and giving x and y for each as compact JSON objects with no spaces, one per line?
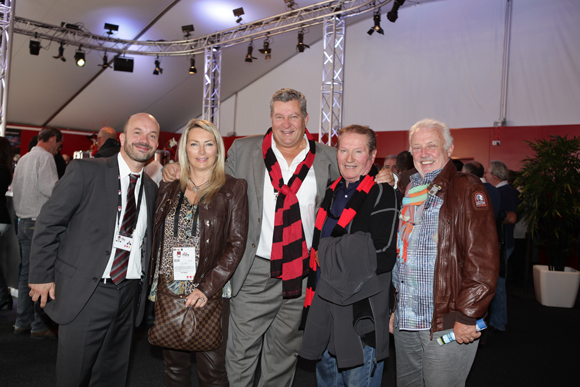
{"x":121,"y":261}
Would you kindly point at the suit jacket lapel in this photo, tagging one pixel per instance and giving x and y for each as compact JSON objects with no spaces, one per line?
{"x":320,"y":166}
{"x":259,"y":168}
{"x":111,"y":194}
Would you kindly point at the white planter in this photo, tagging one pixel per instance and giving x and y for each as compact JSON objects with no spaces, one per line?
{"x":556,"y":288}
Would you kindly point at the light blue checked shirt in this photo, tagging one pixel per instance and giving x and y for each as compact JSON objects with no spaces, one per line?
{"x":413,"y":279}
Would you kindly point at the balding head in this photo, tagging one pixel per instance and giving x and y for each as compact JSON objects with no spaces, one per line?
{"x":104,"y":134}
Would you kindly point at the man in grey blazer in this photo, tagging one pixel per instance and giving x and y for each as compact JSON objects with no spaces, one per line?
{"x":81,"y":269}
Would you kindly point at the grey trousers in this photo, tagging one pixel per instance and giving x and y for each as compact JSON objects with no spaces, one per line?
{"x":261,"y":322}
{"x":423,"y":362}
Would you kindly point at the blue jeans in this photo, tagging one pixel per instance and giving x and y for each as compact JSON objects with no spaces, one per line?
{"x":329,"y":375}
{"x":30,"y":315}
{"x":498,"y":305}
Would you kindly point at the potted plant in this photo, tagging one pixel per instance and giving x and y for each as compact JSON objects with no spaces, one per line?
{"x":550,"y":193}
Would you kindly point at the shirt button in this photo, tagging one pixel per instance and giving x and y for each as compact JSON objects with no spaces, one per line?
{"x":207,"y":241}
{"x":253,"y":246}
{"x":203,"y":275}
{"x":206,"y":259}
{"x":207,"y":223}
{"x":95,"y":279}
{"x":107,"y":252}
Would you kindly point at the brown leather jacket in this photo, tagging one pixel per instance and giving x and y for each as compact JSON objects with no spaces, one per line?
{"x":223,"y":232}
{"x":467,"y":262}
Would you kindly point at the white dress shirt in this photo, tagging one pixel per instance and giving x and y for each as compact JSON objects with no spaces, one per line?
{"x":134,"y":269}
{"x":306,"y":199}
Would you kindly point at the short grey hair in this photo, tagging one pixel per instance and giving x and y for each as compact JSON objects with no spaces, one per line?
{"x":287,"y":95}
{"x":428,"y":123}
{"x":499,"y":170}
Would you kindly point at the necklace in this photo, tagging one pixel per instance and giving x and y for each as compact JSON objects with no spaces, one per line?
{"x":196,"y":187}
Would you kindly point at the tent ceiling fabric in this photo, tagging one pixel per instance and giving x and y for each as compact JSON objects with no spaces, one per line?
{"x":40,"y":86}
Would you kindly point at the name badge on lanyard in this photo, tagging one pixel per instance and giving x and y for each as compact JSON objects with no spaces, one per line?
{"x":184,"y":263}
{"x":123,"y":242}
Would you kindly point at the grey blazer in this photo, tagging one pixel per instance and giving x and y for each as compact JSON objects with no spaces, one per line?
{"x":73,"y":235}
{"x":245,"y":161}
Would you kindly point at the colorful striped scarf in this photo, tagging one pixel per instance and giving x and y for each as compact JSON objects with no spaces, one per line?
{"x":413,"y":206}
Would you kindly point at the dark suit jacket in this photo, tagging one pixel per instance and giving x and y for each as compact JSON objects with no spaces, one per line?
{"x":73,"y":235}
{"x":246,"y":161}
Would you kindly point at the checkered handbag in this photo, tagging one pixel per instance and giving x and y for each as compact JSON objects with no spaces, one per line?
{"x":185,"y":328}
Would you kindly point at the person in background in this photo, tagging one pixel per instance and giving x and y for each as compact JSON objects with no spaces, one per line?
{"x":34,"y":179}
{"x":353,"y":253}
{"x":458,"y":164}
{"x":5,"y":221}
{"x":475,"y":168}
{"x":217,"y":233}
{"x":107,"y":143}
{"x":390,"y":163}
{"x":498,"y":176}
{"x":446,"y":272}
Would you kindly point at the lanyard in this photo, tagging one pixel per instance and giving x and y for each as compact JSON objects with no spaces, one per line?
{"x":120,"y":203}
{"x":176,"y":218}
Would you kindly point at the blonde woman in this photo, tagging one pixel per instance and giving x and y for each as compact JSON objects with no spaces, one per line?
{"x":205,"y":211}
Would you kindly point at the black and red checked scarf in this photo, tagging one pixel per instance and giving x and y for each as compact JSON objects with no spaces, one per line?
{"x":288,"y":260}
{"x":350,"y":210}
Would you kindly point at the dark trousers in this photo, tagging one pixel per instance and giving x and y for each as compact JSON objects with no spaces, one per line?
{"x":211,"y":365}
{"x":94,"y":349}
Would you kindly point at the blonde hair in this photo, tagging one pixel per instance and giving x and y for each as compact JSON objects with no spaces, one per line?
{"x":217,"y":174}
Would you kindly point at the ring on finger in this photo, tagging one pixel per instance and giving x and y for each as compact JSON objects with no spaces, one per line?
{"x":202,"y":299}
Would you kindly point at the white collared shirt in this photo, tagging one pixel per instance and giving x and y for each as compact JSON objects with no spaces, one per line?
{"x":306,"y":199}
{"x":134,"y":269}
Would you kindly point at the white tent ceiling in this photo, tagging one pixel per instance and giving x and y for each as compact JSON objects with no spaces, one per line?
{"x":47,"y":91}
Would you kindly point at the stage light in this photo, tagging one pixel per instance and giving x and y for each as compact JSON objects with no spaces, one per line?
{"x":105,"y":64}
{"x":110,"y":28}
{"x":192,"y":69}
{"x":186,"y":30}
{"x":70,"y":26}
{"x":249,"y":56}
{"x":158,"y":70}
{"x":60,"y":53}
{"x":301,"y":46}
{"x":377,"y":26}
{"x":34,"y":47}
{"x":123,"y":64}
{"x":80,"y":57}
{"x":238,"y":12}
{"x":266,"y":50}
{"x":394,"y":14}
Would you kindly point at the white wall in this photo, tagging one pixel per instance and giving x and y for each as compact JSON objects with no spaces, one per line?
{"x":440,"y":60}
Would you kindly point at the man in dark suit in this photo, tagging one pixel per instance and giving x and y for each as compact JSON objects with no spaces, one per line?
{"x":90,"y":256}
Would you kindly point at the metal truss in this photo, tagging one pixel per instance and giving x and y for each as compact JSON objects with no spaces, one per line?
{"x":290,"y":21}
{"x":212,"y":84}
{"x":6,"y":28}
{"x":332,"y":81}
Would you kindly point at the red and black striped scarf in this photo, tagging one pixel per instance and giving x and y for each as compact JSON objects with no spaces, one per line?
{"x":289,"y":250}
{"x":350,"y":210}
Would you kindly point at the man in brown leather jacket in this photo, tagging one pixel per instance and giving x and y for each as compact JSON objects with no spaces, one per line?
{"x":446,"y":271}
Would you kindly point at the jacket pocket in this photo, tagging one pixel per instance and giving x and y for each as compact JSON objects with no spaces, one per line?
{"x":64,"y":268}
